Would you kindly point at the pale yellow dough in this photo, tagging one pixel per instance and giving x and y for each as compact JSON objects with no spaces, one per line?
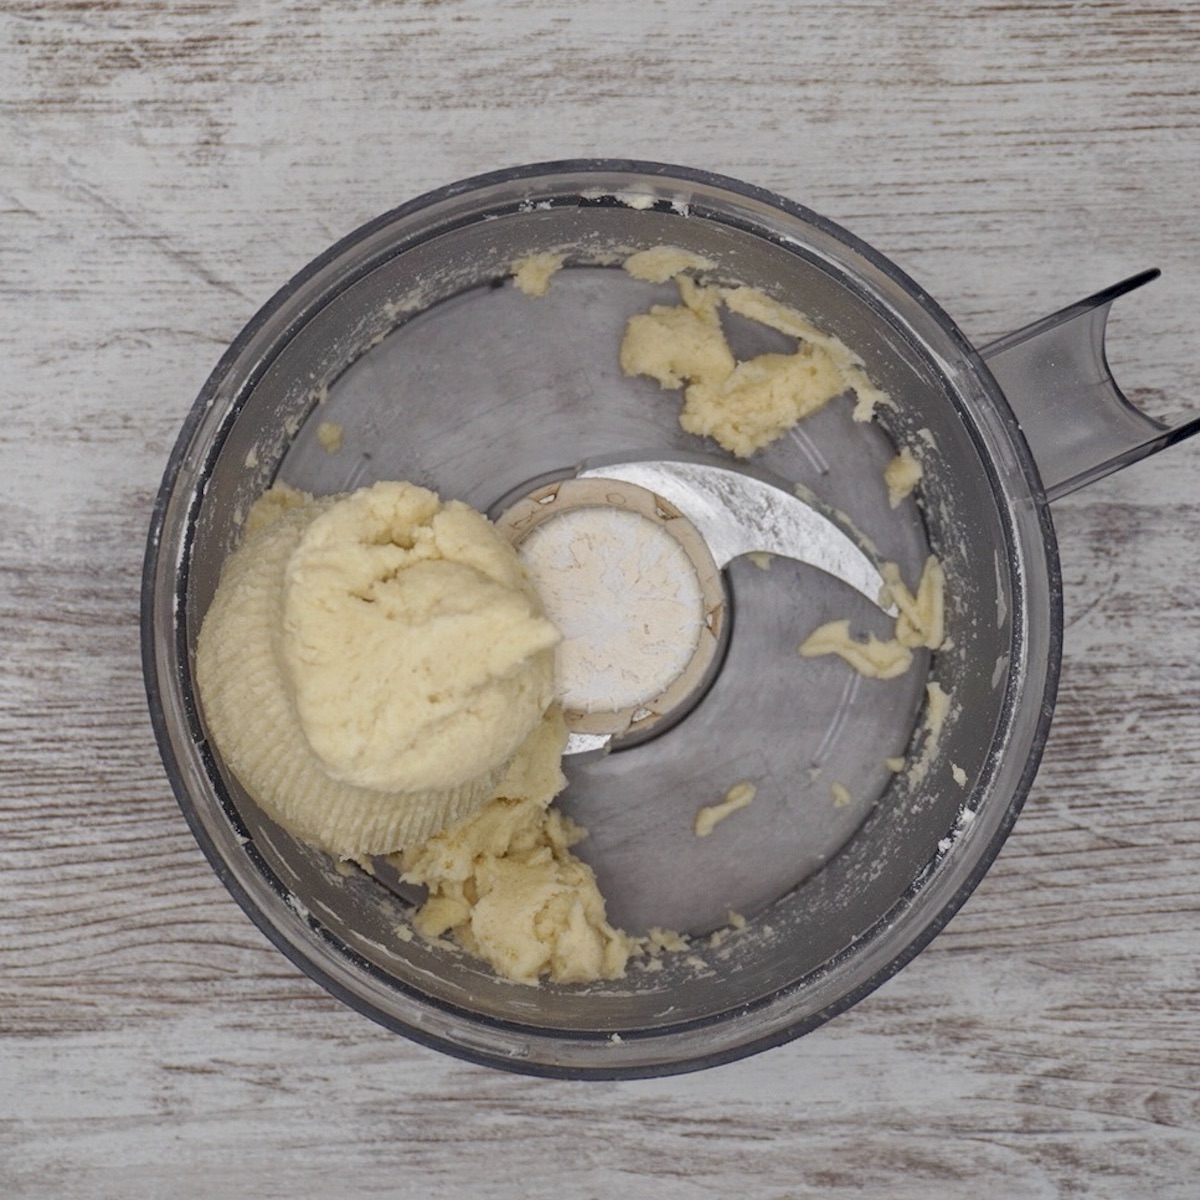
{"x":322,"y":681}
{"x":505,"y":885}
{"x":676,"y":345}
{"x":415,"y":645}
{"x":330,"y":434}
{"x":532,"y":275}
{"x":376,"y":671}
{"x":743,"y":406}
{"x":738,"y":797}
{"x":876,"y":658}
{"x":660,"y":264}
{"x":937,"y":711}
{"x":901,"y":476}
{"x":920,"y":622}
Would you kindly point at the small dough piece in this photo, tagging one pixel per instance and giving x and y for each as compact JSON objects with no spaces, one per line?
{"x":901,"y":476}
{"x":761,"y":399}
{"x":662,"y":263}
{"x":841,"y":795}
{"x":703,"y":301}
{"x":751,"y":303}
{"x":921,"y":622}
{"x":937,"y":712}
{"x":756,"y":306}
{"x":330,"y":434}
{"x":532,"y":274}
{"x":874,"y":658}
{"x":937,"y":709}
{"x":505,"y":885}
{"x":675,"y":345}
{"x":738,"y":796}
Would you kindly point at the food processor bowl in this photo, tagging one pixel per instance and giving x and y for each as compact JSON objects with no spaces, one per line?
{"x":409,"y":340}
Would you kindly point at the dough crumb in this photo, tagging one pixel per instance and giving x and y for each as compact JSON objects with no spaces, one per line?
{"x":761,"y":559}
{"x":922,"y":620}
{"x":841,"y":795}
{"x":937,"y":708}
{"x":937,"y":712}
{"x":662,"y":263}
{"x":330,"y":434}
{"x":901,"y":476}
{"x":958,"y":774}
{"x":532,"y":274}
{"x":738,"y":796}
{"x":659,"y":941}
{"x":895,"y":765}
{"x":638,"y":200}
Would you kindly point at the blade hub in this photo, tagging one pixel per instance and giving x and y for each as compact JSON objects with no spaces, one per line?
{"x":637,"y":595}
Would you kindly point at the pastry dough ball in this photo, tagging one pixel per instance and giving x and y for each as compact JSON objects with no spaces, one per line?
{"x":363,"y":706}
{"x":415,"y":644}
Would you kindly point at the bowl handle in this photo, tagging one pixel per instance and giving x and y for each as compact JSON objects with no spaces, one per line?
{"x":1077,"y":421}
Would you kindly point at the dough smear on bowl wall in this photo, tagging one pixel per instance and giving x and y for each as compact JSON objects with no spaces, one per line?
{"x":726,"y":467}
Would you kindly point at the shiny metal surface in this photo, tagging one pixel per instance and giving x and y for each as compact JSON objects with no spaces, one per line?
{"x":738,"y":513}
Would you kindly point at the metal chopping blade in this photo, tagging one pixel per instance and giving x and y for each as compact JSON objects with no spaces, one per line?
{"x":737,"y":513}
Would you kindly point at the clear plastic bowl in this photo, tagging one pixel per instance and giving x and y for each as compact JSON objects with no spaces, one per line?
{"x":409,"y":335}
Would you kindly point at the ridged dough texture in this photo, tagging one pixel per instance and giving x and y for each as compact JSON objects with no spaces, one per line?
{"x":376,"y":666}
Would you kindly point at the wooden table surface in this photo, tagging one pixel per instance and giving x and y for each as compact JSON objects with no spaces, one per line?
{"x":163,"y":168}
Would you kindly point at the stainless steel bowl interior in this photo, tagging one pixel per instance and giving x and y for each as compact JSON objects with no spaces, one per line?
{"x":410,"y":337}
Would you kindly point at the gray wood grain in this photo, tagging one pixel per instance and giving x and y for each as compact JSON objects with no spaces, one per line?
{"x":163,"y":168}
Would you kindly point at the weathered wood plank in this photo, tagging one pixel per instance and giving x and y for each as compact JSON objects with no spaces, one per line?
{"x":163,"y":168}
